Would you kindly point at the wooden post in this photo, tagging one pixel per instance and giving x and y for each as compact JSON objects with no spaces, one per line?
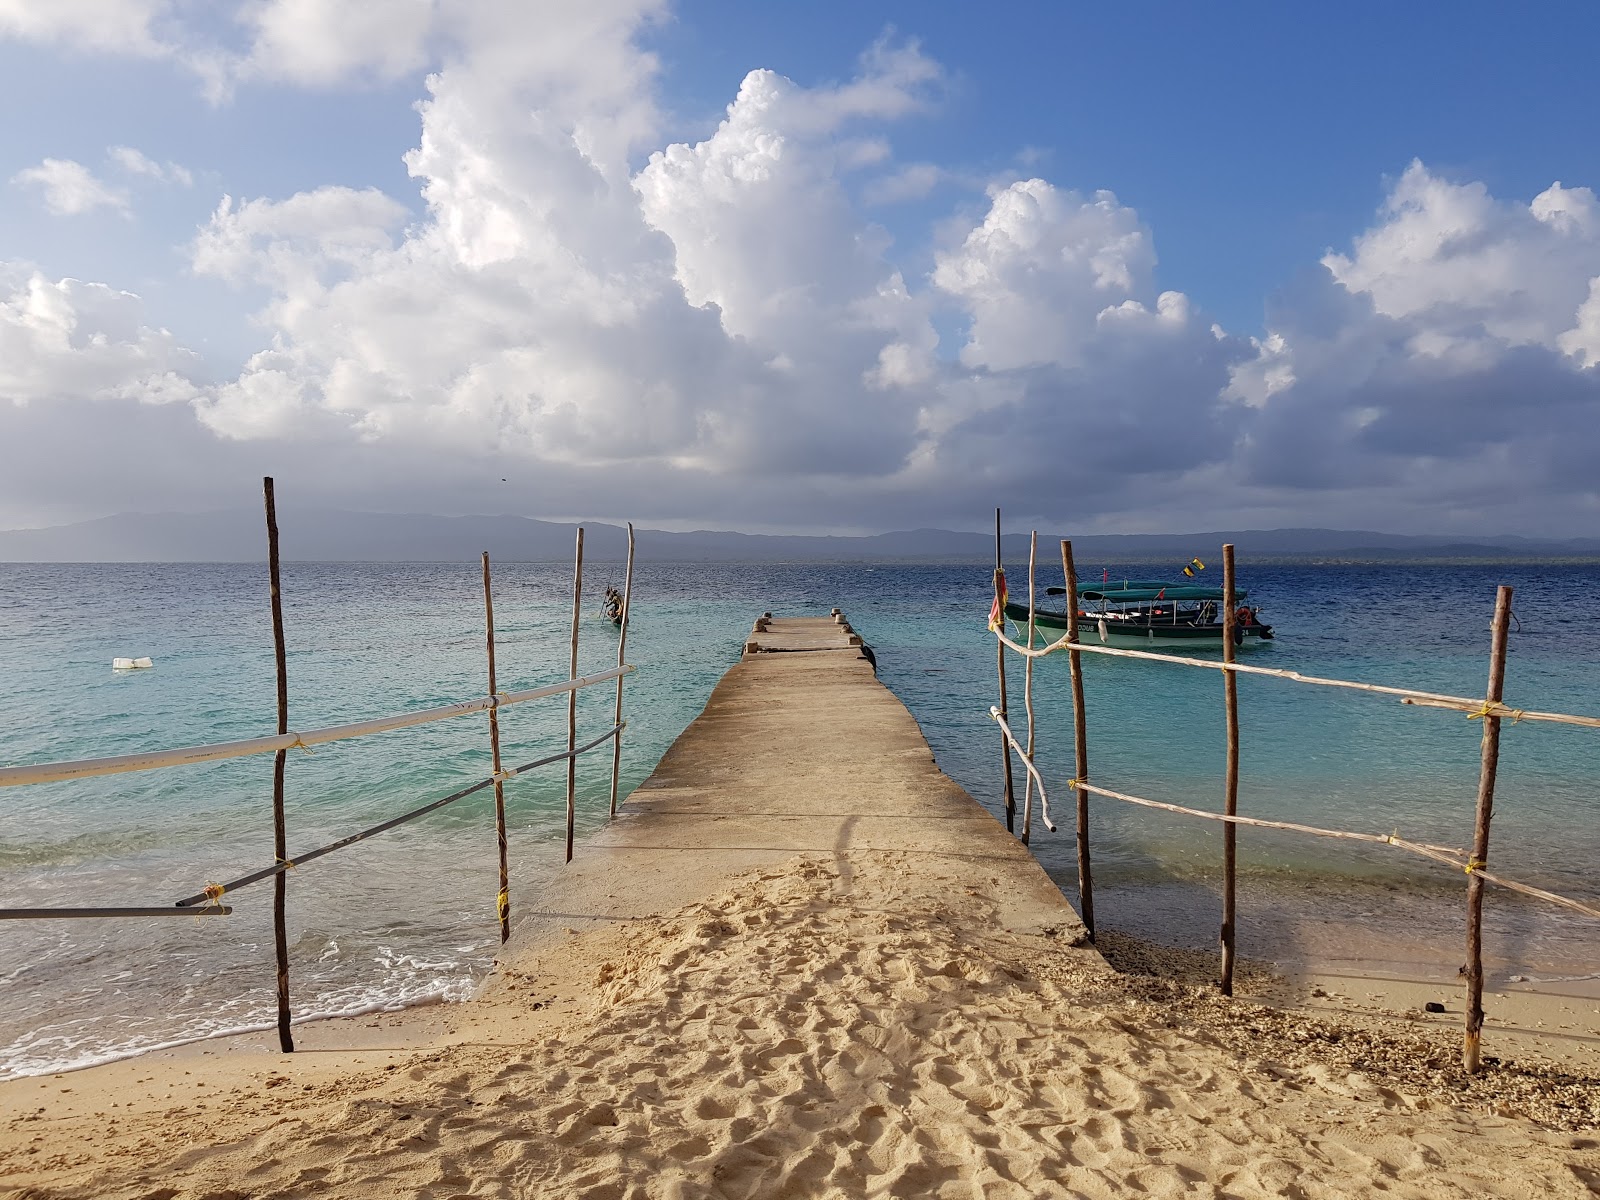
{"x":1489,"y":765}
{"x":572,"y":696}
{"x":1230,"y":795}
{"x":1000,"y":658}
{"x":503,"y":897}
{"x":1080,"y":731}
{"x":622,"y":650}
{"x":280,"y":839}
{"x":1027,"y":693}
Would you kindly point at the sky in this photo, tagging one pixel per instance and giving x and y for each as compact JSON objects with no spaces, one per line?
{"x":814,"y":268}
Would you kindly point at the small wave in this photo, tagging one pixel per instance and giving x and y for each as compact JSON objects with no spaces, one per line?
{"x":54,"y":1054}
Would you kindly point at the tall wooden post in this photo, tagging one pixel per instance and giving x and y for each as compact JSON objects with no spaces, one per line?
{"x":503,"y":899}
{"x":572,"y":696}
{"x":1488,"y":766}
{"x":1027,"y":693}
{"x":1080,"y":739}
{"x":1000,"y":659}
{"x":622,"y":659}
{"x":280,"y":839}
{"x":1230,"y":796}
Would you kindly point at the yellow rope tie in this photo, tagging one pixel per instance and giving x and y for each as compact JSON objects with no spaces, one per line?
{"x":1493,"y":708}
{"x":1474,"y":864}
{"x":286,"y":863}
{"x":297,"y":744}
{"x":1072,"y":784}
{"x":503,"y":905}
{"x":213,"y":894}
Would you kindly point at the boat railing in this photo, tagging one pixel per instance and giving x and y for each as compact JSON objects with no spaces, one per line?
{"x":1491,"y":710}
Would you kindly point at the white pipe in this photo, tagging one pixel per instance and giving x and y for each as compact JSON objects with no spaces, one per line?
{"x":84,"y":768}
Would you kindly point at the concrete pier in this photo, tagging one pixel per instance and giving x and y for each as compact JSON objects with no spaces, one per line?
{"x":800,"y":750}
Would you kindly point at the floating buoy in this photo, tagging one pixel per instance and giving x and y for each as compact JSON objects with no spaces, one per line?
{"x":130,"y":664}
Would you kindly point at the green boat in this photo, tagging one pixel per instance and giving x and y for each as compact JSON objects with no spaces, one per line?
{"x":1147,"y":614}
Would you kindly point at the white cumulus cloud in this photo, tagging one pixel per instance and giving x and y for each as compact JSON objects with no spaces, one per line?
{"x":65,"y":338}
{"x":717,"y":326}
{"x":115,"y":26}
{"x":136,"y":162}
{"x":70,"y":189}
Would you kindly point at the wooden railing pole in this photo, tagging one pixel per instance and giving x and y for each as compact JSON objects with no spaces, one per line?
{"x":1027,"y":692}
{"x":572,"y":697}
{"x":503,"y":897}
{"x":1080,"y":739}
{"x":1230,"y":797}
{"x":1488,"y":767}
{"x":1000,"y":661}
{"x":622,"y":651}
{"x":280,"y":838}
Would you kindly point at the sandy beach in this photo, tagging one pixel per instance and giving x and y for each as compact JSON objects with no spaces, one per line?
{"x":804,"y":963}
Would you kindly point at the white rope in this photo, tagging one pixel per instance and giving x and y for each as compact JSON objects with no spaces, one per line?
{"x":1441,"y":854}
{"x":1034,"y":776}
{"x":84,"y":768}
{"x":1410,"y":695}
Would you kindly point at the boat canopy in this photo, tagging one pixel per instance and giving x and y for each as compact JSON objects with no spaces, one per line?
{"x":1137,"y":591}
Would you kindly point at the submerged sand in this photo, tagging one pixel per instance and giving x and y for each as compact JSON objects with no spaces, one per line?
{"x":806,"y":964}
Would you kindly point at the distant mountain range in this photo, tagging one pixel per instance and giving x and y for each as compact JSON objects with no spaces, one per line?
{"x":335,"y":536}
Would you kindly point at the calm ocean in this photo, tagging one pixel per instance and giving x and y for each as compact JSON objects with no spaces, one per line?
{"x":409,"y":917}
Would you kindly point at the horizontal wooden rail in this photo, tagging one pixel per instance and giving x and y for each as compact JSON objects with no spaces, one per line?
{"x":85,"y":768}
{"x":34,"y":914}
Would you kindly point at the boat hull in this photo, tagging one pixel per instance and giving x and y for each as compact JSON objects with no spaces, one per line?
{"x":1112,"y":630}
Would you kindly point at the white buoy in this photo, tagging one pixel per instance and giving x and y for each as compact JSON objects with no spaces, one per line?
{"x":130,"y":664}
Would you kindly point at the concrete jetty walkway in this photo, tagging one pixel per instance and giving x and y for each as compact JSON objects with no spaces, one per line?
{"x":799,"y":750}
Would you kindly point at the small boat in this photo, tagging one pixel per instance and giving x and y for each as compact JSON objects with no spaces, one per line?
{"x":1145,"y":614}
{"x":612,"y":609}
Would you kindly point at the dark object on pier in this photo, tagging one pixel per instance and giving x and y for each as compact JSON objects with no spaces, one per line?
{"x":866,"y":653}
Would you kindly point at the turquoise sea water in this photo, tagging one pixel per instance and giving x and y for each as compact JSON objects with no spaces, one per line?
{"x":409,"y":917}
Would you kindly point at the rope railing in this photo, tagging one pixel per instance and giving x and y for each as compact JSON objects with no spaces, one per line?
{"x":1491,"y":710}
{"x":1027,"y":762}
{"x":1475,"y":708}
{"x":85,"y":768}
{"x":207,"y":902}
{"x":213,"y":891}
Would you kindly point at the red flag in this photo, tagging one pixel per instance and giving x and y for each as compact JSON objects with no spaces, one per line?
{"x":1162,"y":594}
{"x":997,"y":610}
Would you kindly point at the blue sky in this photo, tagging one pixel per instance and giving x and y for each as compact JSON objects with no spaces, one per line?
{"x":1252,"y":137}
{"x":1260,"y":265}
